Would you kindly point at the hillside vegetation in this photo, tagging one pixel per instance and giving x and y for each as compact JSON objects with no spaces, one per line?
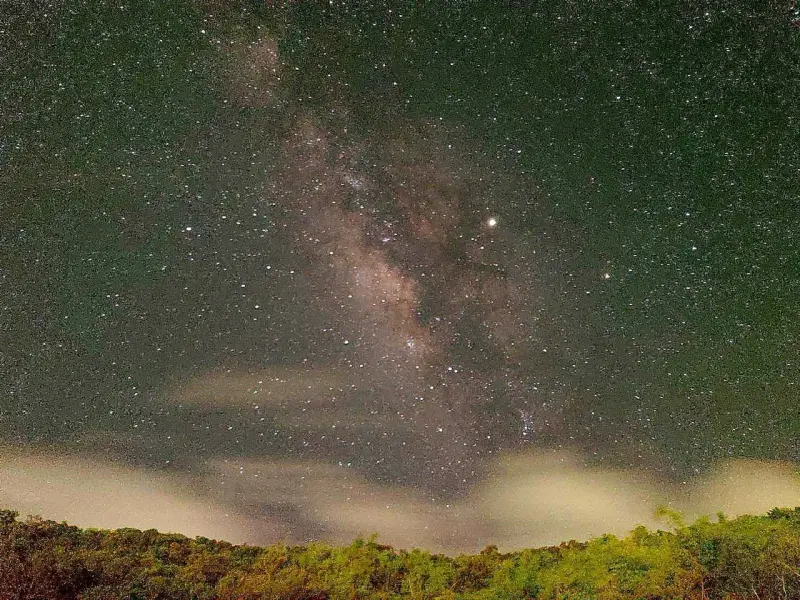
{"x":749,"y":557}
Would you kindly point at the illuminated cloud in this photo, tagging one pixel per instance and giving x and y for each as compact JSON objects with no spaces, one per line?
{"x":525,"y":500}
{"x":91,"y":492}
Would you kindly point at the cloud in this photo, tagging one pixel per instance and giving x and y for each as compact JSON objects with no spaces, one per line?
{"x":544,"y":498}
{"x":95,"y":493}
{"x":526,"y":500}
{"x":337,"y":504}
{"x":743,"y":486}
{"x":295,"y":388}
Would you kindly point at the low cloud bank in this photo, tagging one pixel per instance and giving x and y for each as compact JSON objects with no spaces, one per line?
{"x":94,"y":493}
{"x":531,"y":499}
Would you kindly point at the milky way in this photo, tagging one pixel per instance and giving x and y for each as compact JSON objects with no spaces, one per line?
{"x":440,"y":317}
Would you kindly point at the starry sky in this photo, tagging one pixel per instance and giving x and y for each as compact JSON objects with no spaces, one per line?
{"x":454,"y":274}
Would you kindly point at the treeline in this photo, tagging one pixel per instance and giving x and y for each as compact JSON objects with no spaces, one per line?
{"x":749,"y":557}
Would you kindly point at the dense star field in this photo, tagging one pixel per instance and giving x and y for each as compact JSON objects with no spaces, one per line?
{"x":478,"y":272}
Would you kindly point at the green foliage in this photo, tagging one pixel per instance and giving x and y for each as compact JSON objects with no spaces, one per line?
{"x":8,"y":517}
{"x":743,"y":558}
{"x":428,"y":576}
{"x":673,"y":517}
{"x":784,"y":513}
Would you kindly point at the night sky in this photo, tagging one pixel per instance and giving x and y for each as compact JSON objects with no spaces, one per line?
{"x":456,"y":274}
